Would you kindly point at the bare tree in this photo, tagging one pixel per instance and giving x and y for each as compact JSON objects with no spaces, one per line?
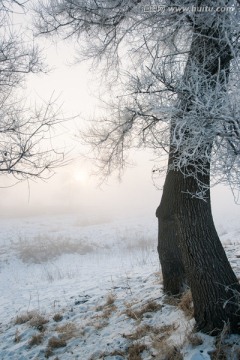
{"x":25,"y":134}
{"x":26,"y":149}
{"x":176,"y":67}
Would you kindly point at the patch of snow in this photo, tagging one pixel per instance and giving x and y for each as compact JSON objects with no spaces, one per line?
{"x":61,"y":266}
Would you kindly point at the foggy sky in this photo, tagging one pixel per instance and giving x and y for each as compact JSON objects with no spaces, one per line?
{"x":72,"y":188}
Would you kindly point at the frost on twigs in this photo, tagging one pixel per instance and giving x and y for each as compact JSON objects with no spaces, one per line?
{"x":26,"y":143}
{"x":176,"y":76}
{"x":26,"y":149}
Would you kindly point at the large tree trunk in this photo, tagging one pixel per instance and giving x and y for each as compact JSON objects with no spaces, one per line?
{"x":187,"y":235}
{"x":168,"y":239}
{"x":214,"y":286}
{"x":186,"y":227}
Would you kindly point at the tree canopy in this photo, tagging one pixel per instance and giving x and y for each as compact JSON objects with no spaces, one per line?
{"x":25,"y":133}
{"x":149,"y":47}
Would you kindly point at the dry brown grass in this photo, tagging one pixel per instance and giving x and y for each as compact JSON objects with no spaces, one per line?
{"x":34,"y":318}
{"x":142,"y":243}
{"x":108,"y":311}
{"x":129,"y":305}
{"x":135,"y":350}
{"x":54,"y":343}
{"x":140,"y":332}
{"x":167,"y":329}
{"x":36,"y":339}
{"x":110,"y":299}
{"x":17,"y":336}
{"x":100,"y":324}
{"x":143,"y":330}
{"x":43,"y":248}
{"x":24,"y":317}
{"x":194,"y":339}
{"x":152,"y":306}
{"x":48,"y":352}
{"x":67,"y":331}
{"x":166,"y":351}
{"x":38,"y":321}
{"x":104,"y":354}
{"x":173,"y":353}
{"x":219,"y":354}
{"x":133,"y":314}
{"x":108,"y":308}
{"x":159,"y":342}
{"x":221,"y":347}
{"x":171,"y":300}
{"x":99,"y":308}
{"x":116,"y":353}
{"x":57,"y":317}
{"x":186,"y":304}
{"x":160,"y":336}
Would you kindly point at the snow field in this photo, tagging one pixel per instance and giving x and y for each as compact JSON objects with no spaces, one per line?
{"x":71,"y":289}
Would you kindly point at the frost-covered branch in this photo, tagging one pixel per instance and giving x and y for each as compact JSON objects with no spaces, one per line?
{"x":178,"y":70}
{"x":25,"y":140}
{"x":26,"y":149}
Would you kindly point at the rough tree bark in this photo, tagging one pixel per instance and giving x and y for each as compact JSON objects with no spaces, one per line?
{"x":190,"y":227}
{"x":215,"y":288}
{"x":169,"y":252}
{"x":187,"y":236}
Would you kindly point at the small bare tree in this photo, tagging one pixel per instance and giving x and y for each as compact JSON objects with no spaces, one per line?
{"x":25,"y":134}
{"x":176,"y":65}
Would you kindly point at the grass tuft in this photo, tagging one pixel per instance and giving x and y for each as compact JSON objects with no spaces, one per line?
{"x":38,"y":321}
{"x":171,"y":300}
{"x":221,"y":347}
{"x":58,"y":317}
{"x":110,"y":299}
{"x":166,"y":351}
{"x":140,"y":332}
{"x":100,"y":324}
{"x":17,"y":336}
{"x":135,"y":350}
{"x":33,"y":318}
{"x":67,"y":331}
{"x":152,"y":306}
{"x":173,"y":353}
{"x":24,"y":318}
{"x":55,"y":342}
{"x":43,"y":248}
{"x":195,"y":340}
{"x":186,"y":304}
{"x":108,"y":308}
{"x":36,"y":340}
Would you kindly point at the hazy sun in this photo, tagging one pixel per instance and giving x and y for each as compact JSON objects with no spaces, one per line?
{"x":80,"y":176}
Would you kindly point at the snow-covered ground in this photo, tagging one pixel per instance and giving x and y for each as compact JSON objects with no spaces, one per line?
{"x":87,"y":288}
